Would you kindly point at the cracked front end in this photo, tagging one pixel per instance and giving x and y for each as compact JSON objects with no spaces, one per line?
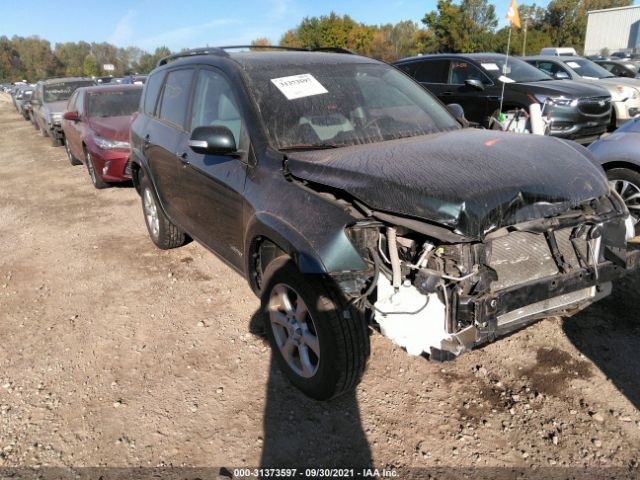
{"x":442,"y":297}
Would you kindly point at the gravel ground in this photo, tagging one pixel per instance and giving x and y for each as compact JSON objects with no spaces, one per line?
{"x":117,"y":354}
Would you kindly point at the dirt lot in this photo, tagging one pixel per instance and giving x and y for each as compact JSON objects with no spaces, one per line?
{"x":114,"y":353}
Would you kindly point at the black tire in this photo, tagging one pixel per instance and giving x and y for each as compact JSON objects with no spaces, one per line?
{"x":95,"y":177}
{"x":55,"y":141}
{"x":72,"y":159}
{"x":165,"y":235}
{"x":617,"y":177}
{"x":340,"y":332}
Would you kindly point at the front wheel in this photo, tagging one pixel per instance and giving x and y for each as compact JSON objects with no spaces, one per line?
{"x":96,"y":179}
{"x":321,"y":344}
{"x":627,"y":183}
{"x":72,"y":159}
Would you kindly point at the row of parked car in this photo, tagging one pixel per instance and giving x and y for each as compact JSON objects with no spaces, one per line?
{"x":352,"y":199}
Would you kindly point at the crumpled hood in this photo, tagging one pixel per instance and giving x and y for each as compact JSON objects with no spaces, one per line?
{"x":473,"y":181}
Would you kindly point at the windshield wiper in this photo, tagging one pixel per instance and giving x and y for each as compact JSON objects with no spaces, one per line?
{"x":306,"y":146}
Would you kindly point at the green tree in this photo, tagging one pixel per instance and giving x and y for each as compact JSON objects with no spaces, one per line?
{"x":90,"y":66}
{"x":72,"y":55}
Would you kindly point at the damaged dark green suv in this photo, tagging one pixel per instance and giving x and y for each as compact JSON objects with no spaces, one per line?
{"x":351,"y":199}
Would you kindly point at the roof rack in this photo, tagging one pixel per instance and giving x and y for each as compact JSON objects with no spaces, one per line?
{"x":221,"y":51}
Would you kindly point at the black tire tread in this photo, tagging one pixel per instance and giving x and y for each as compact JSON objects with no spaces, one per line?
{"x":170,"y":236}
{"x":351,"y":334}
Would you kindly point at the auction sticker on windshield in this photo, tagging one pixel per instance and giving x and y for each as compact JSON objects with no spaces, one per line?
{"x":573,"y":64}
{"x":299,"y":86}
{"x":490,"y":66}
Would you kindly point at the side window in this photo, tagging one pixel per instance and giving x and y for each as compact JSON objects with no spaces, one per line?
{"x":214,"y":103}
{"x":608,"y":66}
{"x":462,"y":71}
{"x":71,"y":105}
{"x":408,"y":68}
{"x":175,"y":97}
{"x":80,"y":104}
{"x":151,"y":91}
{"x":432,"y":71}
{"x":551,"y":68}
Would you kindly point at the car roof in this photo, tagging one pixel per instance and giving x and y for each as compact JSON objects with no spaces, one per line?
{"x":117,"y":87}
{"x":65,"y":79}
{"x":259,"y":59}
{"x":472,"y":56}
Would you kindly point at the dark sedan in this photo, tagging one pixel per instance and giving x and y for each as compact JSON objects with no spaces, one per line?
{"x":619,"y":154}
{"x":579,"y":112}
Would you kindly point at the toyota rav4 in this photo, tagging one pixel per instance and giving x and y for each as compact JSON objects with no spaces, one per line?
{"x":351,"y":199}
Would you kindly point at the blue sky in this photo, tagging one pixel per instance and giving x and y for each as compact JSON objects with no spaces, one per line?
{"x":180,"y":24}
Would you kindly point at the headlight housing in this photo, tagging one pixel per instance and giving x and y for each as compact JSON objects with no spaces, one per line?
{"x":106,"y":144}
{"x":561,"y":100}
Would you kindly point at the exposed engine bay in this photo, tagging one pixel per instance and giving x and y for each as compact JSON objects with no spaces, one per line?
{"x":441,"y":297}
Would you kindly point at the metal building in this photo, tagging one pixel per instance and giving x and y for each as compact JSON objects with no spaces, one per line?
{"x":613,"y":28}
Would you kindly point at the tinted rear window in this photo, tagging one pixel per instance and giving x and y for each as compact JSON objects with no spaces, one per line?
{"x":55,"y":92}
{"x":432,"y":71}
{"x":175,"y":97}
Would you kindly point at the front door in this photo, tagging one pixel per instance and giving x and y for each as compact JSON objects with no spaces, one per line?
{"x":214,"y":184}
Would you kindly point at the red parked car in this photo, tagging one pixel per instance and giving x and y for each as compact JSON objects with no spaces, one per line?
{"x":96,"y":129}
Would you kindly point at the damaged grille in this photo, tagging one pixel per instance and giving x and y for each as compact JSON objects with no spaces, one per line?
{"x":521,"y":257}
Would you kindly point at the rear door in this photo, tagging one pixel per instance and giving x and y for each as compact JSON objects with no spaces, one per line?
{"x":433,"y":74}
{"x":213,"y":184}
{"x":165,"y":129}
{"x":72,"y":135}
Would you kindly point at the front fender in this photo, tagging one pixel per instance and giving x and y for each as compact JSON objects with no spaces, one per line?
{"x":328,"y":252}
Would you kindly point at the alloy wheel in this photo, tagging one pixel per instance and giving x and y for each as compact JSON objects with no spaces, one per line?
{"x":151,"y":212}
{"x":91,"y":168}
{"x":630,"y":193}
{"x":294,"y":330}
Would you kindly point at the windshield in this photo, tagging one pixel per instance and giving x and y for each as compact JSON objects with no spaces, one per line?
{"x":516,"y":70}
{"x":587,"y":68}
{"x":320,"y":105}
{"x":114,"y":104}
{"x":56,"y":92}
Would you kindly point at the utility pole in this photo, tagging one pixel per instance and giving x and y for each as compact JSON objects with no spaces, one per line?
{"x":524,"y":41}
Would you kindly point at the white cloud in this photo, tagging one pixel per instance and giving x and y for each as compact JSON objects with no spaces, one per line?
{"x":123,"y":33}
{"x":185,"y":36}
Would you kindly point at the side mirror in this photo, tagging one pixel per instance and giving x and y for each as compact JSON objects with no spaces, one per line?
{"x":71,"y":116}
{"x":475,"y":83}
{"x":213,"y":140}
{"x":561,"y":75}
{"x":458,"y":113}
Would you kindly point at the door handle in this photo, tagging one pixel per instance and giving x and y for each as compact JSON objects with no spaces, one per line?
{"x":183,"y":157}
{"x":447,"y":93}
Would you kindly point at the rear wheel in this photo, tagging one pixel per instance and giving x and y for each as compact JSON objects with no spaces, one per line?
{"x":627,"y":183}
{"x":72,"y":160}
{"x":163,"y":233}
{"x":96,"y":179}
{"x":55,"y":141}
{"x":320,"y":344}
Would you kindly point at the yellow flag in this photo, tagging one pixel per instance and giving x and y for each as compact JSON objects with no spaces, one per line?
{"x":512,"y":14}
